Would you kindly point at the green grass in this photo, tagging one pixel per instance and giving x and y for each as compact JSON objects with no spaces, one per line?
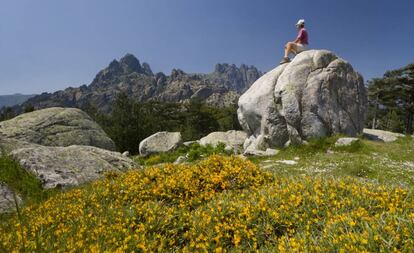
{"x":391,"y":163}
{"x":22,"y":182}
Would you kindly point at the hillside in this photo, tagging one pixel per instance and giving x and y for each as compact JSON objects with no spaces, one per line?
{"x":12,"y":100}
{"x":219,"y":88}
{"x":314,"y":197}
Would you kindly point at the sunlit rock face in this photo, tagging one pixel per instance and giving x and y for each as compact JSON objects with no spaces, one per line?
{"x":317,"y":94}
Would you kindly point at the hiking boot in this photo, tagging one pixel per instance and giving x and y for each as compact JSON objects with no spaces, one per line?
{"x":284,"y":60}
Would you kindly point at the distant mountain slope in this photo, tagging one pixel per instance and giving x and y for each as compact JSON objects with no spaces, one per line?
{"x":219,"y":88}
{"x":12,"y":100}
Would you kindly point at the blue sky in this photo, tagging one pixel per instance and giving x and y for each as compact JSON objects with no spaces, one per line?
{"x":47,"y":45}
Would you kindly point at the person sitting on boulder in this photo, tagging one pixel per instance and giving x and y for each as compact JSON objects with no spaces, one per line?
{"x":299,"y":45}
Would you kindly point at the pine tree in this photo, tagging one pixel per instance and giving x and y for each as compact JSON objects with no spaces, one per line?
{"x":394,"y":92}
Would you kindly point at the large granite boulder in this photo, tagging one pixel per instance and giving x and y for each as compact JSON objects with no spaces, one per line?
{"x":315,"y":95}
{"x":7,"y":199}
{"x":8,"y":145}
{"x":69,"y":166}
{"x":160,"y":142}
{"x":232,"y":139}
{"x":56,"y":127}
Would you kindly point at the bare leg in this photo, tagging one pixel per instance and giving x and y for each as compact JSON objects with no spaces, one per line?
{"x":289,"y":48}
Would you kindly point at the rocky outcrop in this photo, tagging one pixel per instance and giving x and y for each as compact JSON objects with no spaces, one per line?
{"x":381,"y":135}
{"x":56,"y":127}
{"x":7,"y":199}
{"x":219,"y":88}
{"x":69,"y":166}
{"x":160,"y":142}
{"x":315,"y":95}
{"x":232,"y":139}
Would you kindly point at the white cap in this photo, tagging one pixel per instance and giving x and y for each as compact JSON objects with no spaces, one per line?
{"x":300,"y":22}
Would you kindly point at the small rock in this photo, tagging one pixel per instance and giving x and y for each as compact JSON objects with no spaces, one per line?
{"x":189,"y":143}
{"x":347,"y":141}
{"x":288,"y":162}
{"x":409,"y":164}
{"x":268,"y":152}
{"x":296,"y":158}
{"x":268,"y":161}
{"x":287,"y":144}
{"x":160,"y":142}
{"x":7,"y":203}
{"x":233,"y":139}
{"x":267,"y":166}
{"x":181,"y":159}
{"x":380,"y":135}
{"x":126,"y":154}
{"x":228,"y":148}
{"x":271,"y":152}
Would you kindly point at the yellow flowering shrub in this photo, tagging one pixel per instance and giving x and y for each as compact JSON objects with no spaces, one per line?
{"x":221,"y":204}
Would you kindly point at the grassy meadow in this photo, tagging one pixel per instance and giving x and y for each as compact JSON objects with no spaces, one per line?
{"x":310,"y":198}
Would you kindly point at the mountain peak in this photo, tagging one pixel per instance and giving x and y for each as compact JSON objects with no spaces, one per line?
{"x":146,"y":69}
{"x":114,"y":65}
{"x":130,"y":63}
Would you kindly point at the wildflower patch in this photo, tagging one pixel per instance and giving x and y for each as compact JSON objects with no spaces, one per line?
{"x":218,"y":205}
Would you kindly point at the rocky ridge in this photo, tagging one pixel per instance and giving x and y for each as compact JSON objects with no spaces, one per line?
{"x":219,"y":88}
